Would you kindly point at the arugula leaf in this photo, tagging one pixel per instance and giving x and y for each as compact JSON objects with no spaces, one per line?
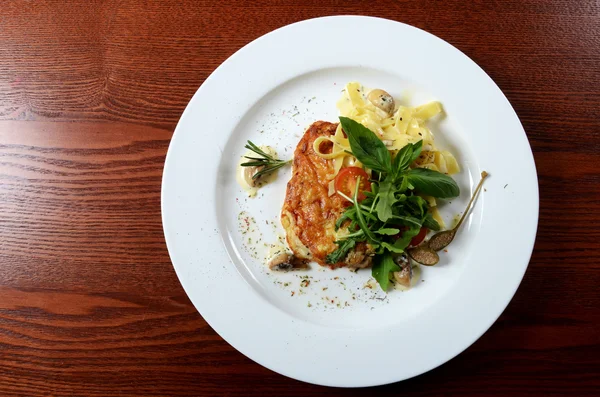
{"x":366,"y":213}
{"x":368,"y":194}
{"x":384,"y":265}
{"x":408,"y":220}
{"x":401,"y":197}
{"x":386,"y":200}
{"x":392,"y":247}
{"x":360,"y":216}
{"x":407,"y":235}
{"x":432,"y":183}
{"x":340,"y":253}
{"x":348,"y":214}
{"x":392,"y":199}
{"x":366,"y":146}
{"x":358,"y":235}
{"x":374,"y":188}
{"x":388,"y":231}
{"x":419,"y":204}
{"x":403,"y":184}
{"x":430,"y":223}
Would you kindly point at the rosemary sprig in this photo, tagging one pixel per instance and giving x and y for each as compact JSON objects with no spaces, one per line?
{"x":266,"y":162}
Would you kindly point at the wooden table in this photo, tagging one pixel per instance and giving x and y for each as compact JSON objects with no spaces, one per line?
{"x":90,"y":93}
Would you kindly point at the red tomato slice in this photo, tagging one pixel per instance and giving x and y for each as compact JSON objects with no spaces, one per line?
{"x":418,"y":239}
{"x":345,"y":182}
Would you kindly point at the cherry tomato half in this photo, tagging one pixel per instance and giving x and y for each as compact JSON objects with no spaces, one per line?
{"x":418,"y":239}
{"x":345,"y":182}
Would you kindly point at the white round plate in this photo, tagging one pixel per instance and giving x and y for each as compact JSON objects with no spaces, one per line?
{"x":328,"y":327}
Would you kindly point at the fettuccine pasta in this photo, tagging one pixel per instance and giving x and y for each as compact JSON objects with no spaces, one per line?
{"x":396,"y":129}
{"x":397,"y":126}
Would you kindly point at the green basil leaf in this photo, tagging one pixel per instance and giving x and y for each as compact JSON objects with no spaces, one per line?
{"x":403,"y":159}
{"x":384,"y":265}
{"x":406,"y":156}
{"x":430,"y":223}
{"x":432,"y":183}
{"x":417,"y":147}
{"x":340,"y":253}
{"x":366,"y":146}
{"x":386,"y":200}
{"x":388,"y":231}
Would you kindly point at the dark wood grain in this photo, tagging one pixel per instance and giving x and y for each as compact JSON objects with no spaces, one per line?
{"x":90,"y":92}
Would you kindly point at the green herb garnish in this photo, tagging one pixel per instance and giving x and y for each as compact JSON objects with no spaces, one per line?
{"x":339,"y":254}
{"x":384,"y":265}
{"x":432,"y":183}
{"x":371,"y":152}
{"x":392,"y":214}
{"x":265,"y":162}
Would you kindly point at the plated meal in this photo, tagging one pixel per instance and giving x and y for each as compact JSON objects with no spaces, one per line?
{"x":350,"y":203}
{"x":364,"y":191}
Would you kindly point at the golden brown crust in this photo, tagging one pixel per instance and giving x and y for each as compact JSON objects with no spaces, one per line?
{"x":309,"y":213}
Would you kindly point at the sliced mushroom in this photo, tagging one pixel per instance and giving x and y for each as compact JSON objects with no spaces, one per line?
{"x":360,"y":257}
{"x":404,"y":276}
{"x":382,"y":100}
{"x":284,"y":261}
{"x":249,"y":172}
{"x":357,"y":260}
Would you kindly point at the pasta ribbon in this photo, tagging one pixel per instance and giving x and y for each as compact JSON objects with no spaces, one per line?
{"x":406,"y":125}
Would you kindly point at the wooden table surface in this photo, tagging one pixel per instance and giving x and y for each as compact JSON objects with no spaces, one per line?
{"x":90,"y":93}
